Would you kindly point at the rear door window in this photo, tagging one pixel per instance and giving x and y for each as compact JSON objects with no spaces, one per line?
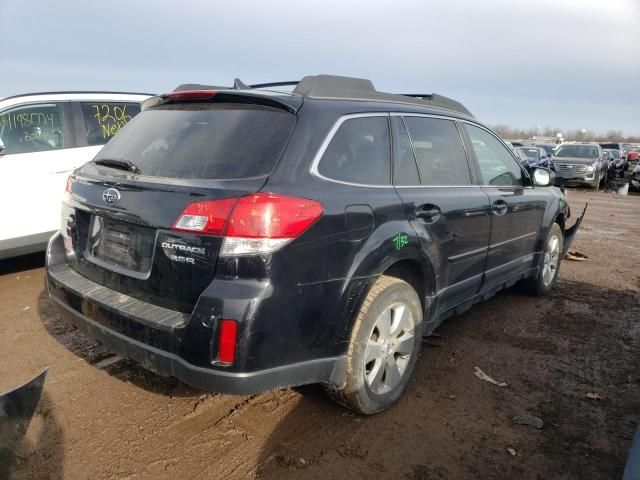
{"x":359,"y":152}
{"x":32,"y":128}
{"x":102,"y":120}
{"x":203,"y":141}
{"x":439,"y":151}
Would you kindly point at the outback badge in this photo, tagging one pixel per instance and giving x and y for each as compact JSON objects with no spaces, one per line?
{"x":111,"y":196}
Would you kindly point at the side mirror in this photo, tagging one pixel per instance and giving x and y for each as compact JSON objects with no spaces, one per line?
{"x":542,"y":177}
{"x":1,"y":147}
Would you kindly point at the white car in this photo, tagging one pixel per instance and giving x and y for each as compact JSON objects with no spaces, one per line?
{"x":43,"y":138}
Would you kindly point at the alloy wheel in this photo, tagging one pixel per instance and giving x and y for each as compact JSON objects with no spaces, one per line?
{"x":389,"y":348}
{"x":551,"y":260}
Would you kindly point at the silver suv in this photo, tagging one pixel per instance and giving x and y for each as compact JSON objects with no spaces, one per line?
{"x":580,"y":164}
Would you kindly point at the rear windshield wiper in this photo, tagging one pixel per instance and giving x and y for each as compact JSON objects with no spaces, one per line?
{"x":119,"y":164}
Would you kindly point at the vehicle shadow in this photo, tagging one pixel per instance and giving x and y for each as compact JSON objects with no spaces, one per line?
{"x":99,"y":356}
{"x":450,"y":424}
{"x":41,"y":453}
{"x":19,"y":264}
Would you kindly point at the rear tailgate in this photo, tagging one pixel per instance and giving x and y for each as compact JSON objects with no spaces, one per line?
{"x":130,"y":247}
{"x":118,"y":225}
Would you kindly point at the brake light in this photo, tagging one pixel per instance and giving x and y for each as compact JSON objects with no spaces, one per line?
{"x":256,"y":224}
{"x":191,"y":95}
{"x":68,"y":187}
{"x":227,"y":341}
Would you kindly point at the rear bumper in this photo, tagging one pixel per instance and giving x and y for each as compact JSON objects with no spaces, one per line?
{"x":87,"y":304}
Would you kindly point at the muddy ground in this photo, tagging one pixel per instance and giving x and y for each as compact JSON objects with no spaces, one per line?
{"x":106,"y":419}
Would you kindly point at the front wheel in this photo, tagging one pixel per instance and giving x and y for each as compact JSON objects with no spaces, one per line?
{"x":549,"y":265}
{"x":383,"y":349}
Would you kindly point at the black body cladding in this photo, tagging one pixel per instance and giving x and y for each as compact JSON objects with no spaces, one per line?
{"x":456,"y":244}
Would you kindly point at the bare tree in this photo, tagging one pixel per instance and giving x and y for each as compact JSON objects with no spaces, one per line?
{"x":580,"y":135}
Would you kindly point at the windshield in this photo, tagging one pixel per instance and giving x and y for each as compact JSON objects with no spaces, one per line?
{"x":203,"y":141}
{"x":615,"y":154}
{"x":577,"y":151}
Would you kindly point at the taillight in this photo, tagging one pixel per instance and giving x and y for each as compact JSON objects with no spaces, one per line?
{"x":68,"y":187}
{"x":191,"y":95}
{"x":256,"y":224}
{"x":227,"y":341}
{"x":208,"y":217}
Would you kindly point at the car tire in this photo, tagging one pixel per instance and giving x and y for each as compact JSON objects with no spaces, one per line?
{"x":383,"y":349}
{"x":549,"y":265}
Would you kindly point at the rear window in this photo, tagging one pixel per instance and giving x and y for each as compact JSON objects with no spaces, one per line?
{"x":531,"y":152}
{"x":203,"y":141}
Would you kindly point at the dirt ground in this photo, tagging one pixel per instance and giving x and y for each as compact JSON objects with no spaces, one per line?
{"x":104,"y":418}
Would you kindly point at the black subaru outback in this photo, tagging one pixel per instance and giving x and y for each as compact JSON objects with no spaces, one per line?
{"x":243,"y":239}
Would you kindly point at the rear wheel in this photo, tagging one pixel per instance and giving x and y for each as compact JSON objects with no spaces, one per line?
{"x":384,"y":347}
{"x":549,"y":265}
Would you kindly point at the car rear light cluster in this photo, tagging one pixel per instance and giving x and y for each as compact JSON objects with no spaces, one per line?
{"x":255,"y":224}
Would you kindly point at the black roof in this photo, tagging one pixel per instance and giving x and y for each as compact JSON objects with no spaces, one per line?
{"x":331,"y":87}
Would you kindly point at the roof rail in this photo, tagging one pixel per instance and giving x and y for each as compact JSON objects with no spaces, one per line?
{"x":348,"y":88}
{"x":344,"y":88}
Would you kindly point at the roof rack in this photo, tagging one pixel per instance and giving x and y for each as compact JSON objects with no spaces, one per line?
{"x":345,"y":88}
{"x":348,"y":88}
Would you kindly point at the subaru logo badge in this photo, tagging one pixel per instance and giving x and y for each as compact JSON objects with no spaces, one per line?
{"x":111,"y":196}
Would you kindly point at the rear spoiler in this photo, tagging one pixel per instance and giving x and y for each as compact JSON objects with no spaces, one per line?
{"x":238,"y":93}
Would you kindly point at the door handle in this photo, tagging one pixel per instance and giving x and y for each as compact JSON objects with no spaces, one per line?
{"x":499,"y":207}
{"x":428,"y":213}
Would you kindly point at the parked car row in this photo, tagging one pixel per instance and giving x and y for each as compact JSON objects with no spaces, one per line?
{"x":579,"y":163}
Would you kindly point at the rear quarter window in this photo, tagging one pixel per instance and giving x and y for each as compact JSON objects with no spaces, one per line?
{"x":359,"y":152}
{"x":203,"y":141}
{"x":102,"y":120}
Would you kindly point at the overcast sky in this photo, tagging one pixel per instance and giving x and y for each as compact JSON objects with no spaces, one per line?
{"x":568,"y":63}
